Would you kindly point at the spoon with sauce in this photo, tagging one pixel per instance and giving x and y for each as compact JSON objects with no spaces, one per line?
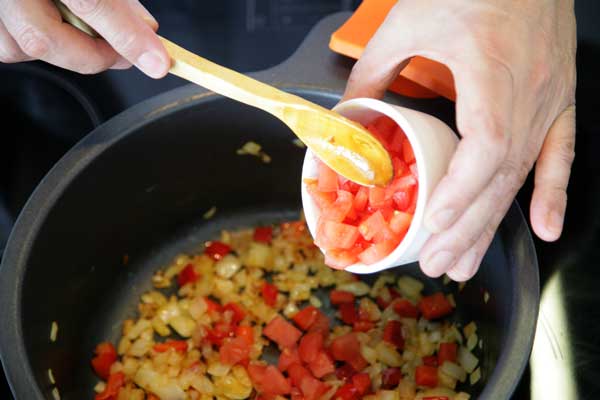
{"x":345,"y":146}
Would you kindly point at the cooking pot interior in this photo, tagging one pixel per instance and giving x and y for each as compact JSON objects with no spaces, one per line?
{"x":141,"y":201}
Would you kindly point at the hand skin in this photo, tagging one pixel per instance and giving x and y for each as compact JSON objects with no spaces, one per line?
{"x":513,"y":63}
{"x":33,"y":29}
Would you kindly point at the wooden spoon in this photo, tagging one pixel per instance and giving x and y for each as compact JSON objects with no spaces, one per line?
{"x":345,"y":146}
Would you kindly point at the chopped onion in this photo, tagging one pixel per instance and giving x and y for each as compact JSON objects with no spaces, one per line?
{"x":358,"y":288}
{"x":53,"y":331}
{"x":227,"y":266}
{"x":454,"y":370}
{"x":466,"y":359}
{"x":388,"y":395}
{"x":388,"y":355}
{"x":472,"y":342}
{"x":410,"y":287}
{"x":475,"y":376}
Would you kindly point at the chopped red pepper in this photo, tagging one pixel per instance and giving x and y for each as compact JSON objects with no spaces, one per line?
{"x":347,"y":392}
{"x":363,"y":326}
{"x":177,"y":345}
{"x":406,"y":309}
{"x":263,"y":234}
{"x":431,"y":361}
{"x":447,"y":352}
{"x":435,"y":306}
{"x":392,"y":333}
{"x":187,"y":275}
{"x":106,"y":355}
{"x":217,"y":250}
{"x":362,"y":382}
{"x":345,"y":372}
{"x":269,"y":293}
{"x":341,"y":296}
{"x":220,"y":331}
{"x":390,"y":378}
{"x":237,"y":312}
{"x":426,"y":376}
{"x":348,"y":313}
{"x":246,"y":332}
{"x":114,"y":384}
{"x":306,"y":317}
{"x":212,"y":306}
{"x":234,"y":351}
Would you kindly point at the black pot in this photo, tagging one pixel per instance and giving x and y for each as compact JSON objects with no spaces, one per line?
{"x":138,"y":186}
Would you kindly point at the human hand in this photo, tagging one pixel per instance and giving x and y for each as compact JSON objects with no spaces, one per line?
{"x":33,"y":29}
{"x":513,"y":63}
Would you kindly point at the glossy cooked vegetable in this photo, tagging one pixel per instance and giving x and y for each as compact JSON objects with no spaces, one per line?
{"x":257,"y":289}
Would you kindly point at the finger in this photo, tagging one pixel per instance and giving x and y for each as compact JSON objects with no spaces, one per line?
{"x":141,"y":11}
{"x":552,"y":171}
{"x":10,"y":52}
{"x":380,"y":63}
{"x":117,"y":22}
{"x":483,"y":113}
{"x":122,"y":63}
{"x":467,"y":266}
{"x":37,"y":28}
{"x":481,"y":219}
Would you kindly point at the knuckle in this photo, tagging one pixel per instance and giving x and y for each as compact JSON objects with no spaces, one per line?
{"x":33,"y":42}
{"x":513,"y":174}
{"x":84,"y":7}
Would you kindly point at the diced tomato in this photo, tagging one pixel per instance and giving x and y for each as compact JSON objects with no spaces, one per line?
{"x":390,"y":378}
{"x":340,"y":296}
{"x":321,"y":325}
{"x":402,"y":199}
{"x":347,"y":392}
{"x":430,"y":361}
{"x":268,"y":380}
{"x":392,"y":333}
{"x":400,"y":184}
{"x":447,"y":352}
{"x":237,"y":312}
{"x":115,"y":382}
{"x":297,"y":373}
{"x":287,"y":357}
{"x":322,"y":199}
{"x":106,"y":355}
{"x":376,"y":197}
{"x":310,"y":345}
{"x":335,"y":235}
{"x":219,"y":332}
{"x":435,"y":306}
{"x":246,"y":332}
{"x":212,"y":306}
{"x":306,"y":317}
{"x":321,"y":365}
{"x":406,"y":309}
{"x":348,"y":313}
{"x":282,"y":332}
{"x":426,"y":376}
{"x":328,"y":179}
{"x":180,"y":346}
{"x":312,"y":388}
{"x":217,"y":250}
{"x":373,"y":224}
{"x":385,"y":125}
{"x":296,"y":394}
{"x":269,"y":293}
{"x":345,"y":372}
{"x":340,"y":208}
{"x":400,"y":222}
{"x":187,"y":275}
{"x":263,"y":234}
{"x":407,"y":152}
{"x":257,"y":375}
{"x":349,"y":186}
{"x":396,"y":141}
{"x":362,"y":382}
{"x":340,"y":259}
{"x":377,"y":251}
{"x":361,"y":199}
{"x":347,"y":348}
{"x":234,"y":351}
{"x":413,"y":170}
{"x":363,"y":326}
{"x":386,"y":234}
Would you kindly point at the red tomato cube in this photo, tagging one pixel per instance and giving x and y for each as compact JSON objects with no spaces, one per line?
{"x":328,"y":179}
{"x":340,"y":259}
{"x":340,"y":208}
{"x":282,"y":332}
{"x":426,"y":376}
{"x":321,"y":199}
{"x":362,"y":382}
{"x":306,"y":317}
{"x":321,"y":365}
{"x":377,"y":251}
{"x":106,"y":355}
{"x":347,"y":392}
{"x":335,"y":235}
{"x":372,"y":225}
{"x":348,"y":313}
{"x":361,"y":199}
{"x":310,"y":345}
{"x":447,"y":352}
{"x":376,"y":197}
{"x":392,"y":333}
{"x":400,"y":222}
{"x":407,"y":152}
{"x":269,"y":293}
{"x":347,"y":348}
{"x":435,"y":306}
{"x":390,"y":378}
{"x":340,"y":296}
{"x":406,"y":309}
{"x":288,"y":357}
{"x":234,"y":351}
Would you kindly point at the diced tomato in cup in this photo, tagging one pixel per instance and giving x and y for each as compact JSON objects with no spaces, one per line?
{"x":361,"y":224}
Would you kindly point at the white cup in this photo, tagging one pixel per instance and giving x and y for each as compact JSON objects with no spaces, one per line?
{"x":433,"y":144}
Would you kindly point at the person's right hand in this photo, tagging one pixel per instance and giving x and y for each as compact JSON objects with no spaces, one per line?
{"x":33,"y":29}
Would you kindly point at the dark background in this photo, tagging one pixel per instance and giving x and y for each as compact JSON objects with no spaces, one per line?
{"x":43,"y":117}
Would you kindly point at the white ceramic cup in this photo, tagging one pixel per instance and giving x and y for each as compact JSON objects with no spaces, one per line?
{"x":433,"y":143}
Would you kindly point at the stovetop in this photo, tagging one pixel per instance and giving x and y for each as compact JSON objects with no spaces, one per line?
{"x":256,"y":34}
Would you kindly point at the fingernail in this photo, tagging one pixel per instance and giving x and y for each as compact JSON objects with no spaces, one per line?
{"x":152,"y":64}
{"x":440,"y":220}
{"x":439,"y":263}
{"x":554,"y":222}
